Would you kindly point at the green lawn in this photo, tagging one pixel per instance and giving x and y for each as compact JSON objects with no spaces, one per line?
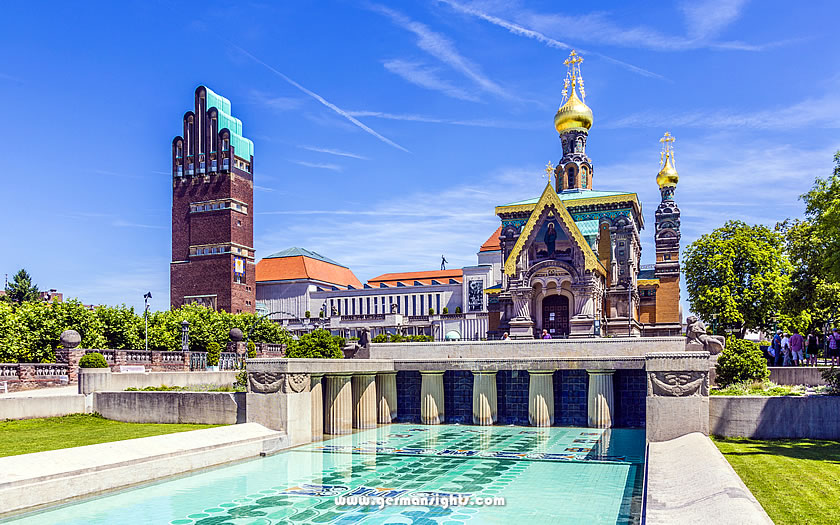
{"x":797,"y":481}
{"x":37,"y":435}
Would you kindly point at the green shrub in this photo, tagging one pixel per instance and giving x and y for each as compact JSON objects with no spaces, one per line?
{"x":458,"y":310}
{"x":214,"y":351}
{"x":431,"y":311}
{"x":396,"y":338}
{"x":93,"y":360}
{"x":252,"y":349}
{"x":342,"y":342}
{"x":241,"y":383}
{"x":741,"y":361}
{"x":317,"y":344}
{"x":381,"y":338}
{"x":306,"y":314}
{"x":832,"y":380}
{"x":445,"y":310}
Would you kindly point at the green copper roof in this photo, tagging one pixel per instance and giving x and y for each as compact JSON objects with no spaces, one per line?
{"x":297,"y":252}
{"x":588,"y":228}
{"x":572,"y":195}
{"x":242,"y":147}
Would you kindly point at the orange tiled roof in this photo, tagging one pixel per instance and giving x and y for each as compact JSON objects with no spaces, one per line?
{"x":492,"y":244}
{"x":302,"y":267}
{"x":408,"y":278}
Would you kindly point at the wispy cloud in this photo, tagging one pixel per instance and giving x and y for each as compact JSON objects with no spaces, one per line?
{"x":705,"y":21}
{"x":4,"y":76}
{"x":821,"y":112}
{"x":478,"y":123}
{"x":264,"y":188}
{"x":318,"y":165}
{"x":322,"y":100}
{"x":427,"y":77}
{"x":540,"y":37}
{"x":276,"y":103}
{"x":440,"y":47}
{"x":125,"y":224}
{"x":334,"y":152}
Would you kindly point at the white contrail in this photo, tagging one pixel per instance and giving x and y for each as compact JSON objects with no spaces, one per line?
{"x":540,"y":37}
{"x":322,"y":100}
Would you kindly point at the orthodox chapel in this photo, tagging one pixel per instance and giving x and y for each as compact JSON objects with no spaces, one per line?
{"x":571,"y":257}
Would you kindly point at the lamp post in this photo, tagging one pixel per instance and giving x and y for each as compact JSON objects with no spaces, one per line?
{"x":146,"y":297}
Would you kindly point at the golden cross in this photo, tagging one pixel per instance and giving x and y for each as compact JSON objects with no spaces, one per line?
{"x":667,"y":150}
{"x":549,"y":171}
{"x":573,"y":59}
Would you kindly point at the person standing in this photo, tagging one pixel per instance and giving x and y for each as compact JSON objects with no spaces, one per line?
{"x":834,"y":347}
{"x":797,"y":345}
{"x":546,"y":335}
{"x":776,"y":345}
{"x":786,"y":350}
{"x":812,"y":348}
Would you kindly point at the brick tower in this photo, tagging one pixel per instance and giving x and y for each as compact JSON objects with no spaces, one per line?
{"x":212,"y":209}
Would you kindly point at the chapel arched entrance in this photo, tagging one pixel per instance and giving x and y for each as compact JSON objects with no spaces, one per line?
{"x":555,"y":315}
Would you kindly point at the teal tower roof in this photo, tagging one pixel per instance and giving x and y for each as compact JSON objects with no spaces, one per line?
{"x":243,"y":147}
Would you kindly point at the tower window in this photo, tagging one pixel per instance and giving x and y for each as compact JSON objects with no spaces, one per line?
{"x":571,"y":178}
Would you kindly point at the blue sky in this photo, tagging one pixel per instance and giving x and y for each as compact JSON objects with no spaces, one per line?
{"x":385,"y":134}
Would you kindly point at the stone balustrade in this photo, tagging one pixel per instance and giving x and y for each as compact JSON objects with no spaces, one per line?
{"x":27,"y":376}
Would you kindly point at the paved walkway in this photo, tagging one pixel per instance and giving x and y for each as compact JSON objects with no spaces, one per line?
{"x":41,"y":392}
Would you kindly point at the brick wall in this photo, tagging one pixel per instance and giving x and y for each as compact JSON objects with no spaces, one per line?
{"x":408,"y":397}
{"x":457,"y":396}
{"x":668,"y":300}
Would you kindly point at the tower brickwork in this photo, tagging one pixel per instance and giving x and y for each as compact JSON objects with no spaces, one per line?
{"x":212,"y":209}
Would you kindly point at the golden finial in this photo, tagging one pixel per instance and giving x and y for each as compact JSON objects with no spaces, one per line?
{"x":573,"y":113}
{"x":549,"y":171}
{"x":667,"y":175}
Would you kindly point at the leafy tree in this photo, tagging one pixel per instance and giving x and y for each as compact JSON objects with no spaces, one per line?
{"x":738,"y":272}
{"x":21,"y":289}
{"x":121,"y":327}
{"x":214,"y":352}
{"x":740,"y":361}
{"x":317,"y":344}
{"x":812,"y":247}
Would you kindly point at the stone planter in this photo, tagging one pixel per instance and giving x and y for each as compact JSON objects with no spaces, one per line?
{"x":94,"y":379}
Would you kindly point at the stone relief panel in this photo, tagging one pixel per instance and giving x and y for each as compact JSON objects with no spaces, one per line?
{"x":678,"y":384}
{"x":272,"y":382}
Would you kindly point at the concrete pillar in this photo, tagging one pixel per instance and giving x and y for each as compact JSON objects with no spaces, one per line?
{"x":338,"y":407}
{"x":600,"y":400}
{"x":364,"y":400}
{"x":541,"y":398}
{"x":317,"y":399}
{"x":386,"y":397}
{"x":431,"y":398}
{"x":484,"y":410}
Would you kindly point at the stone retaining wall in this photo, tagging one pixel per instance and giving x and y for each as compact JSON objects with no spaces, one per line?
{"x":815,"y":417}
{"x":208,"y":408}
{"x":41,"y":406}
{"x":102,"y":379}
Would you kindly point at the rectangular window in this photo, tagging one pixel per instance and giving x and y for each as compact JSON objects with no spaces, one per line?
{"x":226,"y":164}
{"x":346,"y":310}
{"x":422,"y":310}
{"x":437,"y":299}
{"x":430,"y":301}
{"x":353,"y":303}
{"x":406,"y":305}
{"x":413,"y":305}
{"x":213,"y":165}
{"x":367,"y":306}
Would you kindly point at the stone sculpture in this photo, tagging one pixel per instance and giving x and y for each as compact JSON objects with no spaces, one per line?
{"x":697,"y":340}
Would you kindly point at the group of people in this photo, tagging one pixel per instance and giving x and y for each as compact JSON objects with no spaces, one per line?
{"x":798,"y":350}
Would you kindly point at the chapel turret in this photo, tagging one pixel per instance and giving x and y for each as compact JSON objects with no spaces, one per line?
{"x":573,"y":121}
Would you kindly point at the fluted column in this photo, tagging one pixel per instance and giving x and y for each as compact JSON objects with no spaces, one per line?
{"x":600,"y":400}
{"x":431,"y":398}
{"x":484,"y":398}
{"x":386,"y":397}
{"x":338,"y":411}
{"x":364,"y":400}
{"x":316,"y":393}
{"x":541,"y":398}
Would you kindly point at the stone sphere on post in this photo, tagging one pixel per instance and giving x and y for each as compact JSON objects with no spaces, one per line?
{"x":236,"y":335}
{"x":70,"y":339}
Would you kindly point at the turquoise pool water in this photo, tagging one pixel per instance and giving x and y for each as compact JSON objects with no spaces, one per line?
{"x":545,"y":475}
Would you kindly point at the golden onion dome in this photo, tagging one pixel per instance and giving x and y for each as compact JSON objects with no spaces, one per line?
{"x":573,"y":114}
{"x":668,"y":175}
